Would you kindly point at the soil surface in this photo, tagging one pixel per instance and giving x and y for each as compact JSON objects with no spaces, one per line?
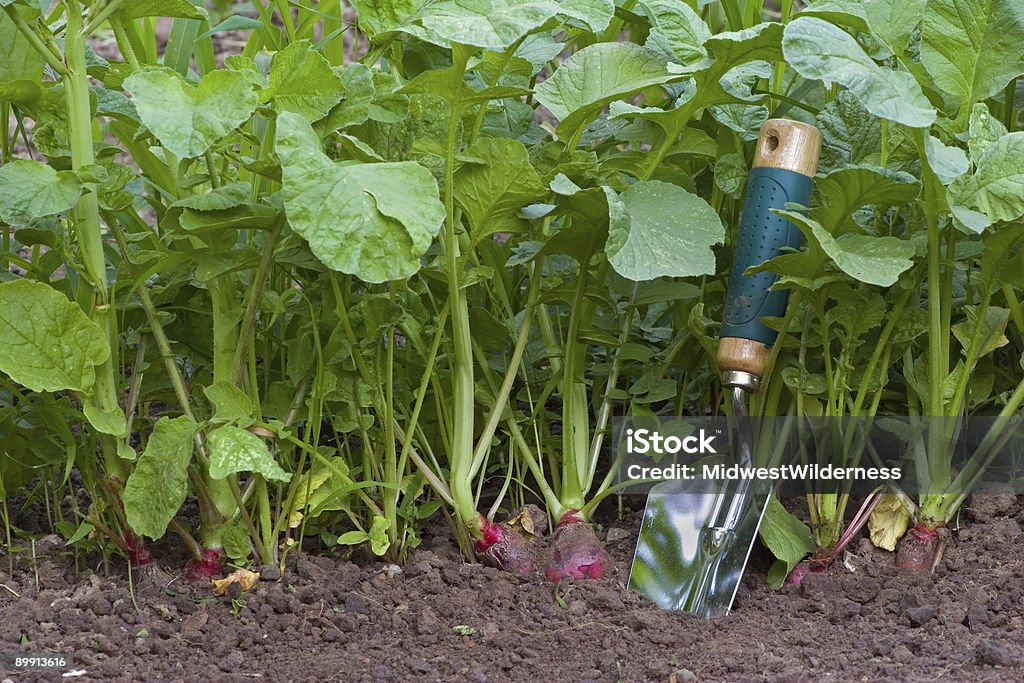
{"x":437,"y":619}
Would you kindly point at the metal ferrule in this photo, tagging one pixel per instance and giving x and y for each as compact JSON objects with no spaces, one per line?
{"x":743,"y":380}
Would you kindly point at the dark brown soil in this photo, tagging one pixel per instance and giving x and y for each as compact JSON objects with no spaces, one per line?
{"x":332,"y":619}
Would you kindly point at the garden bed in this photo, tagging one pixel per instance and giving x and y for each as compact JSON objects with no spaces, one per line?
{"x":336,"y":619}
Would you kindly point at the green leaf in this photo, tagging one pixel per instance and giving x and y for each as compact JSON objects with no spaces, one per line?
{"x":374,"y":221}
{"x":594,"y":14}
{"x":188,"y":120}
{"x":844,"y":191}
{"x":731,"y":174}
{"x":992,"y":330}
{"x":676,"y":30}
{"x":378,"y":17}
{"x":492,"y":193}
{"x":48,"y":343}
{"x":874,"y":260}
{"x":983,"y":130}
{"x":893,"y":22}
{"x":659,"y":229}
{"x":972,"y":47}
{"x":786,"y":537}
{"x":378,"y":535}
{"x":157,"y":487}
{"x":183,"y":9}
{"x":490,"y":24}
{"x":233,"y":450}
{"x":353,"y":537}
{"x":817,"y":49}
{"x":850,"y":134}
{"x":948,"y":163}
{"x":232,"y":23}
{"x":237,"y":543}
{"x":231,"y":403}
{"x":596,"y":75}
{"x":996,"y":188}
{"x":30,"y":190}
{"x":302,"y":81}
{"x":354,"y":108}
{"x":21,"y":69}
{"x":111,"y":421}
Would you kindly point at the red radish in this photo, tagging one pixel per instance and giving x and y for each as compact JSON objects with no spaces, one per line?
{"x":209,"y":566}
{"x":920,"y":549}
{"x":502,"y":547}
{"x":138,"y":553}
{"x":810,"y":566}
{"x":575,"y":551}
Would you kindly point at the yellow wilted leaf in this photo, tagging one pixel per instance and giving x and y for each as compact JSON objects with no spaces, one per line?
{"x":304,"y":487}
{"x":243,"y":577}
{"x":888,"y":522}
{"x":524,"y":520}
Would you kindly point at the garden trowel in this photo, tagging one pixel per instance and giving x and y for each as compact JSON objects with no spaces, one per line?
{"x":697,"y":534}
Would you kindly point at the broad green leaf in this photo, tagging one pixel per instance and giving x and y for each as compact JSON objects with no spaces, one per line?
{"x":850,"y":134}
{"x":759,"y":43}
{"x":991,"y":332}
{"x":788,"y":538}
{"x":596,"y":75}
{"x":378,"y":535}
{"x":231,"y":403}
{"x":236,"y":541}
{"x":354,"y":107}
{"x":874,"y":260}
{"x":731,"y":174}
{"x":354,"y":537}
{"x":844,"y":191}
{"x":111,"y":421}
{"x":232,"y":450}
{"x":888,"y":522}
{"x":850,"y":13}
{"x":658,"y":229}
{"x":183,"y":9}
{"x":48,"y":343}
{"x":30,"y":190}
{"x":676,"y":30}
{"x":374,"y":221}
{"x":490,"y":24}
{"x":972,"y":48}
{"x":492,"y":193}
{"x":983,"y":130}
{"x":948,"y":163}
{"x":158,"y":484}
{"x":21,"y":69}
{"x":225,"y":197}
{"x":594,"y":14}
{"x":187,"y":119}
{"x":745,"y":119}
{"x":817,"y":49}
{"x":996,"y":188}
{"x":302,"y":81}
{"x":378,"y":17}
{"x":893,"y":22}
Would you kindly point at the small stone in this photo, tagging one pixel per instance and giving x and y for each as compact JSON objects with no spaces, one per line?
{"x":683,"y":676}
{"x":616,"y":534}
{"x":391,"y":571}
{"x":270,"y":572}
{"x":994,"y":653}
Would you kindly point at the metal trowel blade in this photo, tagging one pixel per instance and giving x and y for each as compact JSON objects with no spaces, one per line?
{"x":681,"y":562}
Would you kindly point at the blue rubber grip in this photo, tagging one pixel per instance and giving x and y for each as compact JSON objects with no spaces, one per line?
{"x":763,"y":236}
